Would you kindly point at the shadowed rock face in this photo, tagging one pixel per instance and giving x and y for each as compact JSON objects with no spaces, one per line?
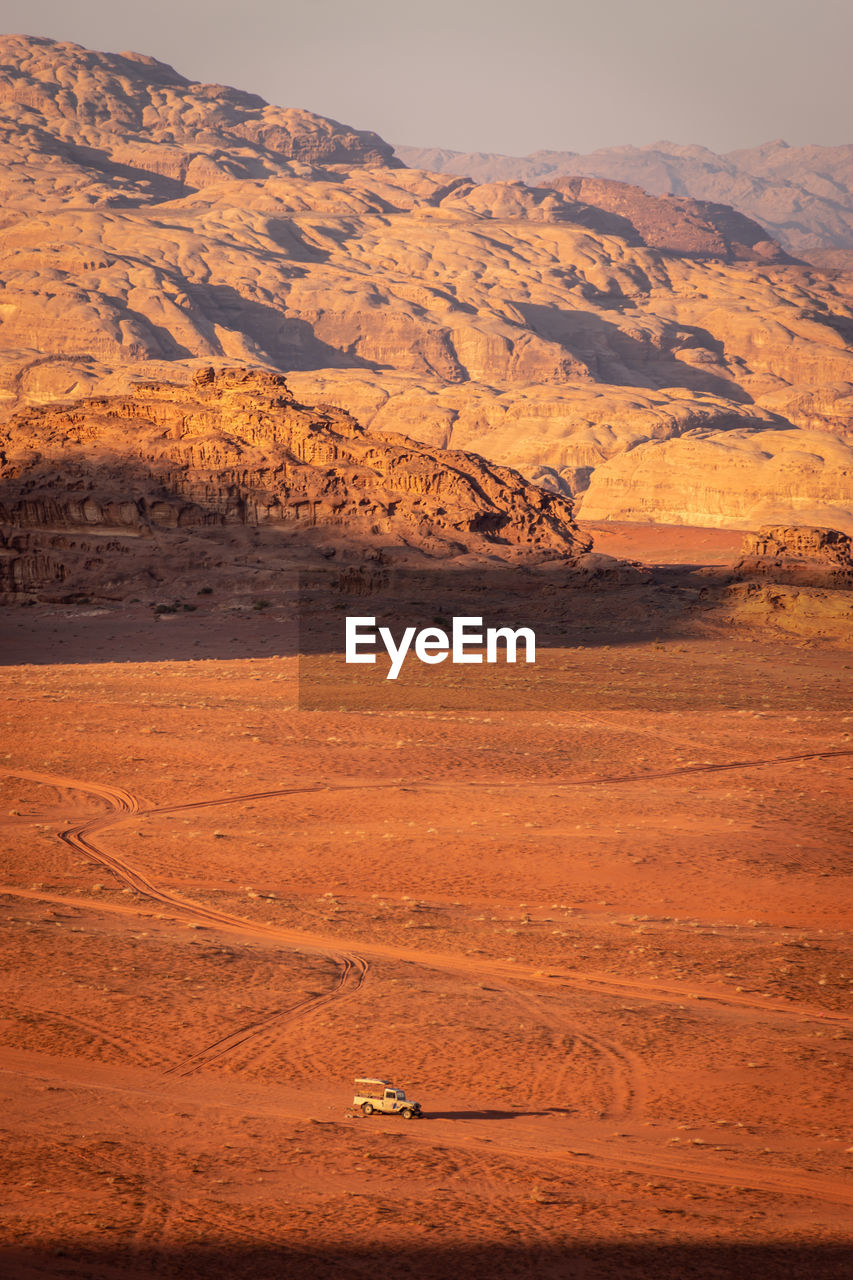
{"x":543,"y":328}
{"x":235,"y":448}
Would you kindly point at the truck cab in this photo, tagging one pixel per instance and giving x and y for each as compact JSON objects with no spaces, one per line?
{"x":380,"y":1095}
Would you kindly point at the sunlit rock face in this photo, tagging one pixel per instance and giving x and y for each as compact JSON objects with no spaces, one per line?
{"x":735,"y":479}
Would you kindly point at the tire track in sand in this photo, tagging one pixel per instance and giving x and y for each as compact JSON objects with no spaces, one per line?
{"x":603,"y":983}
{"x":622,"y":1071}
{"x":123,"y":805}
{"x":353,"y":971}
{"x":568,"y":1151}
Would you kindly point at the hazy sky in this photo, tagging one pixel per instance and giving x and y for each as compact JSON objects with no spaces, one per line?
{"x":503,"y":75}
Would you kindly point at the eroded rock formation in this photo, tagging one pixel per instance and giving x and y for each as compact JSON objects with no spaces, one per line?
{"x":126,"y":128}
{"x":813,"y":557}
{"x":675,"y":224}
{"x":734,"y":479}
{"x":235,"y":448}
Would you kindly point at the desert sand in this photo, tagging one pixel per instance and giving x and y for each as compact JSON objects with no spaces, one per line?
{"x":602,"y":940}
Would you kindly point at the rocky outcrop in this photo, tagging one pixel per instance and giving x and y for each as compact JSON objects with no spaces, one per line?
{"x":811,"y":612}
{"x":673,"y":224}
{"x":235,"y":448}
{"x":800,"y":555}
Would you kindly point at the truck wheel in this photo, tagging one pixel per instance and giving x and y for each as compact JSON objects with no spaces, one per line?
{"x":366,"y":1109}
{"x":406,"y":1113}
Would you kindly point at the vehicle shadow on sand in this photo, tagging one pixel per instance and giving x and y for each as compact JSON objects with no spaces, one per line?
{"x":487,"y":1113}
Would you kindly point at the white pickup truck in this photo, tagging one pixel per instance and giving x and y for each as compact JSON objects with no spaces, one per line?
{"x":379,"y":1095}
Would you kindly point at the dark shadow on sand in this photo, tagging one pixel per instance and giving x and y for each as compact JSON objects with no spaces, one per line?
{"x":586,"y":1260}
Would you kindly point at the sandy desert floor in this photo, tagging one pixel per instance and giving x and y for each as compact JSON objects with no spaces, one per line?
{"x":604,"y":942}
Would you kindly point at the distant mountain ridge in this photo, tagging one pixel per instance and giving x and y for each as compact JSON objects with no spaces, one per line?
{"x":802,"y":195}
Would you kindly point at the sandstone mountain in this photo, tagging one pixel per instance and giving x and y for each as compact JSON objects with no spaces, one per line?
{"x":119,"y":128}
{"x":802,"y":195}
{"x":233,"y":447}
{"x":576,"y":332}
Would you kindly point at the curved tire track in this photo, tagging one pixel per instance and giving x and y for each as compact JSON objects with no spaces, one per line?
{"x":353,"y":971}
{"x":122,"y":805}
{"x":622,"y":1070}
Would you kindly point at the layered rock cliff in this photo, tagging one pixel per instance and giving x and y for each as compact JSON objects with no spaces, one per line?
{"x":235,"y":448}
{"x":544,"y":328}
